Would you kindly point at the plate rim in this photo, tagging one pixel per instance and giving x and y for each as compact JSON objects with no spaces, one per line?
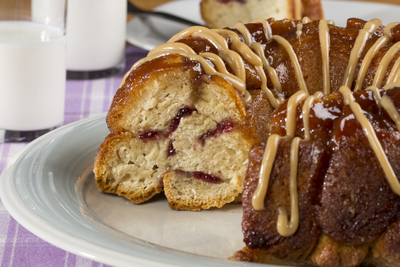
{"x":138,"y":20}
{"x":82,"y":247}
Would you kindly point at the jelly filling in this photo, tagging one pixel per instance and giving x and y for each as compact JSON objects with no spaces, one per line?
{"x":206,"y":177}
{"x":225,"y":126}
{"x":186,"y":111}
{"x":171,"y":150}
{"x":156,"y":135}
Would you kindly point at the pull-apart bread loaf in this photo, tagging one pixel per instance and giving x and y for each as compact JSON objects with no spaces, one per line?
{"x":183,"y":123}
{"x":226,"y":13}
{"x":300,"y":116}
{"x":323,"y":190}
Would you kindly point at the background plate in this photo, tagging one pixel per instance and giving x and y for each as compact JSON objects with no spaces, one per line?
{"x":148,"y":32}
{"x":49,"y":189}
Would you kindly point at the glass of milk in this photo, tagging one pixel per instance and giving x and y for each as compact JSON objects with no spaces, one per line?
{"x":32,"y":68}
{"x":96,"y":38}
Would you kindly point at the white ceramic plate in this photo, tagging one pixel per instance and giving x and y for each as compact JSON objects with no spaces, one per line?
{"x":148,"y":32}
{"x":49,"y":189}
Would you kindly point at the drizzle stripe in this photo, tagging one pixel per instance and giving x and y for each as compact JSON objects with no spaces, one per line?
{"x":359,"y":45}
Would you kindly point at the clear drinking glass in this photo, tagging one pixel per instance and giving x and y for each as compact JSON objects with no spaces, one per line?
{"x":32,"y":68}
{"x":96,"y":38}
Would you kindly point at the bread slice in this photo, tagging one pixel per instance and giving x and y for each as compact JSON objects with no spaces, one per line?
{"x":175,"y":127}
{"x":226,"y":13}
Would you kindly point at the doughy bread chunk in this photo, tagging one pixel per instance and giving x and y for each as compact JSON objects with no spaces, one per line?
{"x":176,"y":128}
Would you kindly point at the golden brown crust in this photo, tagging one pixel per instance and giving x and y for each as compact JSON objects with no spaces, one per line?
{"x":212,"y":100}
{"x":262,"y":255}
{"x":386,"y":250}
{"x":357,"y":204}
{"x":131,"y":92}
{"x":357,"y":201}
{"x":259,"y":227}
{"x":341,"y":218}
{"x":178,"y":201}
{"x":103,"y":177}
{"x":330,"y":253}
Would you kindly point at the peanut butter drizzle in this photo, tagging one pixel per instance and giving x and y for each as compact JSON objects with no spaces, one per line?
{"x":256,"y":56}
{"x":367,"y":61}
{"x":388,"y":105}
{"x":271,"y":147}
{"x":387,"y":37}
{"x":256,"y":53}
{"x":266,"y":27}
{"x":383,"y":66}
{"x":299,"y":29}
{"x":306,"y":20}
{"x":299,"y":26}
{"x":233,"y":59}
{"x":359,"y":45}
{"x":186,"y":51}
{"x":324,"y":41}
{"x":372,"y":138}
{"x":284,"y":227}
{"x":264,"y":63}
{"x":297,"y":70}
{"x":377,"y":95}
{"x":259,"y":51}
{"x":394,"y":73}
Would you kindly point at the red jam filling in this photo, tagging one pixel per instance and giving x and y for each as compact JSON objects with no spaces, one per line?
{"x":206,"y":177}
{"x":186,"y":111}
{"x":171,"y":150}
{"x":225,"y":126}
{"x":156,"y":135}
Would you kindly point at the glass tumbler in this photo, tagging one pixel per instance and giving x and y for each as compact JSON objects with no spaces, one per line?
{"x":96,"y":38}
{"x":32,"y":68}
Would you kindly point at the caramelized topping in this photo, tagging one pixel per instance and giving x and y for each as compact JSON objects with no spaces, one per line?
{"x":359,"y":45}
{"x":373,"y":140}
{"x":232,"y":52}
{"x":286,"y":227}
{"x":324,"y":40}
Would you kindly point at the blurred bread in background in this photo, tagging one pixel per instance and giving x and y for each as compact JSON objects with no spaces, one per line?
{"x":226,"y":13}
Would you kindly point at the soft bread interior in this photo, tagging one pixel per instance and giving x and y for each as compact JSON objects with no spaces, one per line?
{"x":132,"y":166}
{"x":185,"y":193}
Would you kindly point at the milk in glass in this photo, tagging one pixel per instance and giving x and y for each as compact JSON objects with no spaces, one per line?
{"x":96,"y":34}
{"x":32,"y":75}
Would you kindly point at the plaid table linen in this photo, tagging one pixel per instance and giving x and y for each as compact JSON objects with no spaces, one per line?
{"x":84,"y":99}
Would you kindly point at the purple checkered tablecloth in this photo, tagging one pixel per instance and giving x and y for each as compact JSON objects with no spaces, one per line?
{"x":84,"y":98}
